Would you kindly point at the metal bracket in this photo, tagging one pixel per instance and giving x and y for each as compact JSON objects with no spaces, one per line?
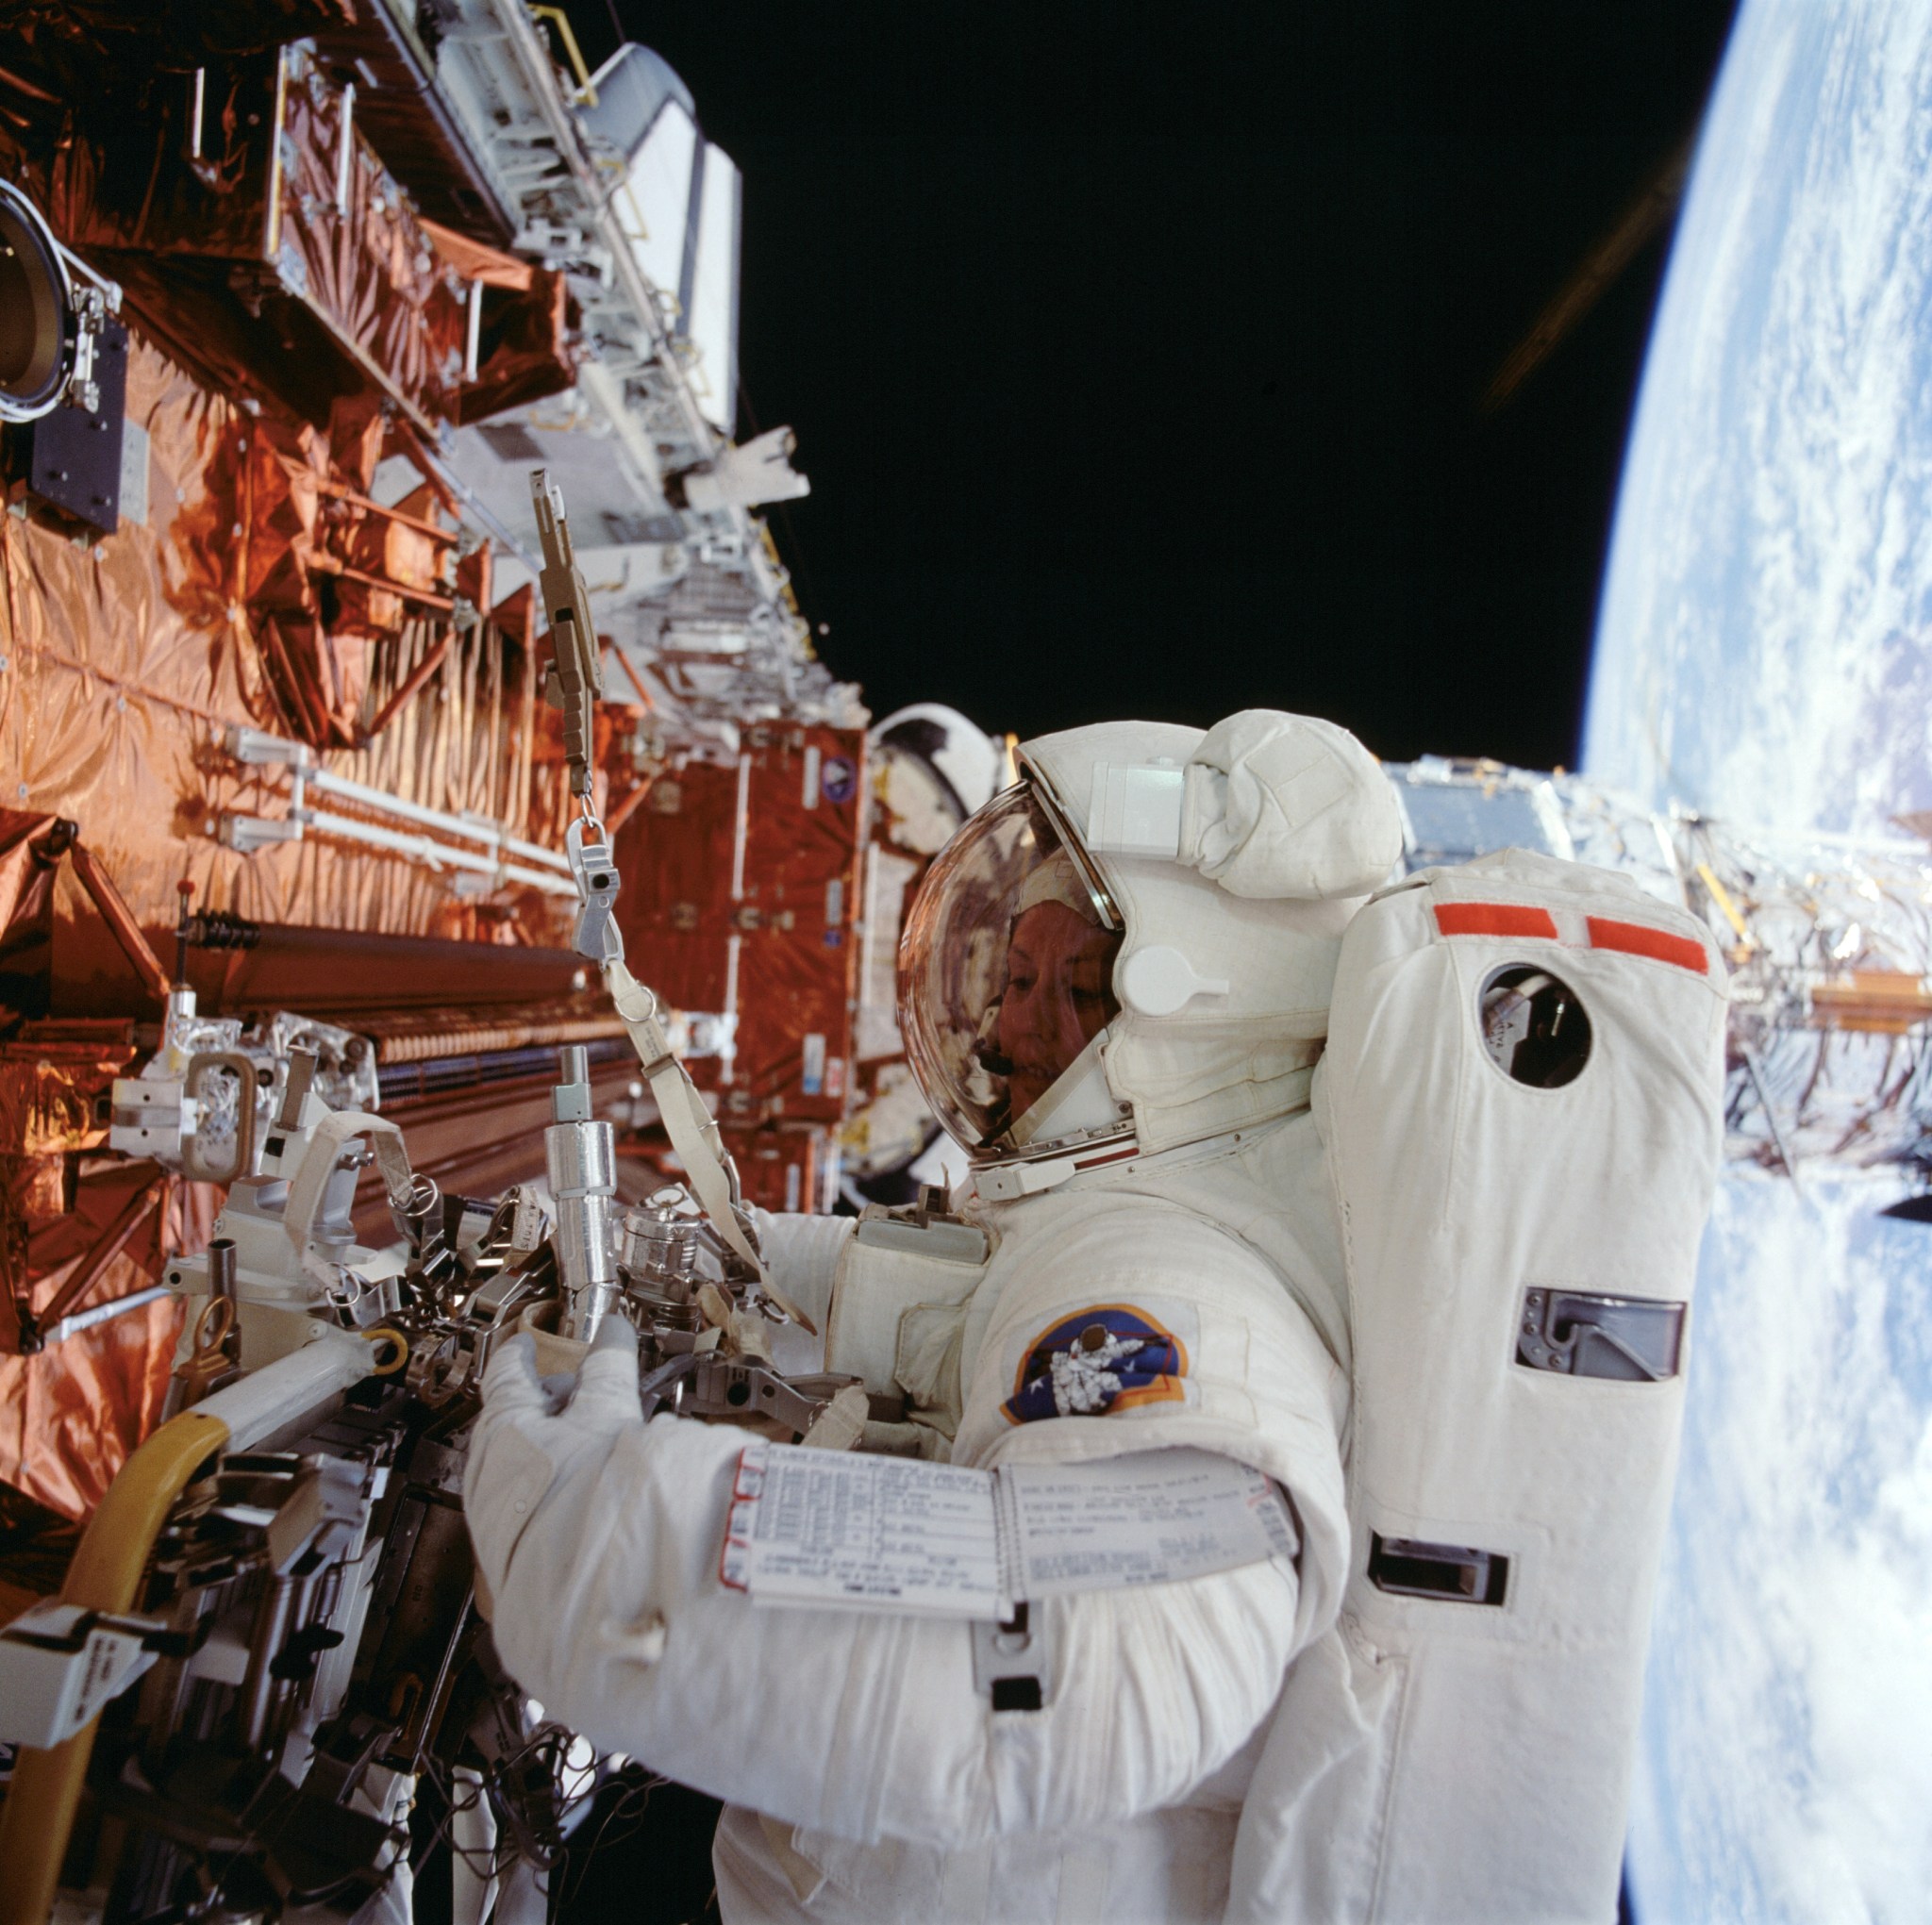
{"x":575,"y":683}
{"x":1013,"y":1661}
{"x":1581,"y":1334}
{"x":255,"y":745}
{"x":1450,"y":1573}
{"x":241,"y":1159}
{"x":246,"y":833}
{"x":732,"y":1386}
{"x":60,"y":1664}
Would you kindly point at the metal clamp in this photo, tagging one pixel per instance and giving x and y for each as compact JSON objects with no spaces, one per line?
{"x":61,"y":1662}
{"x":738,"y":1387}
{"x":594,"y":868}
{"x":575,"y":682}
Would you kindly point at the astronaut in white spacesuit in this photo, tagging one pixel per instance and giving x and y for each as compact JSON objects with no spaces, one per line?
{"x":1116,"y":983}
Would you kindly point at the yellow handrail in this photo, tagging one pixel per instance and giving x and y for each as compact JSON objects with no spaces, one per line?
{"x":569,"y":47}
{"x":105,"y":1576}
{"x":1721,"y":897}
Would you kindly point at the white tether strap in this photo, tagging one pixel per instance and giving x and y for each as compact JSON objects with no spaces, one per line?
{"x":688,"y":1123}
{"x":318,"y":1161}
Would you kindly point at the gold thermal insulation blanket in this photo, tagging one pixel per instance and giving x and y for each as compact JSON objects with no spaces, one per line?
{"x":129,"y":661}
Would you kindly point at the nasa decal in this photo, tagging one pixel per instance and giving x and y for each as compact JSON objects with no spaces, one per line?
{"x":840,"y":778}
{"x":1107,"y":1358}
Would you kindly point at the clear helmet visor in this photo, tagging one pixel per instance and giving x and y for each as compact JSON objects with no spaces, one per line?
{"x":1005,"y":971}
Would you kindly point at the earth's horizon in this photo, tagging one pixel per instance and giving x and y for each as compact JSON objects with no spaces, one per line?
{"x":1762,"y":656}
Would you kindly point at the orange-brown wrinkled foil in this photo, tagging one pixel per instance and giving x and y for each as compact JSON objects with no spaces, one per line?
{"x":131,"y":660}
{"x":70,"y":1414}
{"x":279,"y":351}
{"x":371,"y":271}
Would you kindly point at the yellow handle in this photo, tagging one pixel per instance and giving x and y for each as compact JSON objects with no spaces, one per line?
{"x":394,"y":1340}
{"x":216,"y":1320}
{"x":105,"y":1576}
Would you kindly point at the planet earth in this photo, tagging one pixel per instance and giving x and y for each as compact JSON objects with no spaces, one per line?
{"x":1764,"y":654}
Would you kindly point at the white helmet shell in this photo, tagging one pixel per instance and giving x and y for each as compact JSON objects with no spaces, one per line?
{"x":1275,"y":828}
{"x":937,"y":769}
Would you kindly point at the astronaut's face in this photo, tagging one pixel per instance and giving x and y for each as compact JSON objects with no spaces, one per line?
{"x":1058,"y":996}
{"x":1005,"y":971}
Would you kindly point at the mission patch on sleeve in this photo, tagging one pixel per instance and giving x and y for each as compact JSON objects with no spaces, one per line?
{"x":1107,"y":1358}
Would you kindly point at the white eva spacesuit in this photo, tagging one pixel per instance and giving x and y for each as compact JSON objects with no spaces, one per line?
{"x":1441,"y":1308}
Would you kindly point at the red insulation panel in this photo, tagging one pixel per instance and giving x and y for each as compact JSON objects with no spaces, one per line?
{"x":741,"y":890}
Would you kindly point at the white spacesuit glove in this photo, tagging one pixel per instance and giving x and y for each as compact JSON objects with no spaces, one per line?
{"x":538,"y":1432}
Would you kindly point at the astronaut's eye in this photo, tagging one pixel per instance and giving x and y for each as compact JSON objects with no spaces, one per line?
{"x":1533,"y":1025}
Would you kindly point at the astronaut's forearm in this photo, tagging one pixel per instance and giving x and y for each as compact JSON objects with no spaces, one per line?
{"x":609,"y":1611}
{"x":869,"y":1725}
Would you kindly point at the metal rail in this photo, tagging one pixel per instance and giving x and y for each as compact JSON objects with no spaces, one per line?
{"x":550,"y":872}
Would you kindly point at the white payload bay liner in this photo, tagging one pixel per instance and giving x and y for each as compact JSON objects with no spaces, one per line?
{"x":1459,"y":1747}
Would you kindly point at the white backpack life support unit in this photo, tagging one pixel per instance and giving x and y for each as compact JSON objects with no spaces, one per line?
{"x":1520,"y":1103}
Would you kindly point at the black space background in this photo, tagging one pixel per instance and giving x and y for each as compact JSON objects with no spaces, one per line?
{"x":1136,"y":353}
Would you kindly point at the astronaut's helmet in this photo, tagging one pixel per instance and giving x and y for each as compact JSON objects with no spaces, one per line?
{"x":1138,"y":939}
{"x":1006,"y":976}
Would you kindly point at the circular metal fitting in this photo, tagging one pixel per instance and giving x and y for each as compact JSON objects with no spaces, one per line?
{"x":38,"y":317}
